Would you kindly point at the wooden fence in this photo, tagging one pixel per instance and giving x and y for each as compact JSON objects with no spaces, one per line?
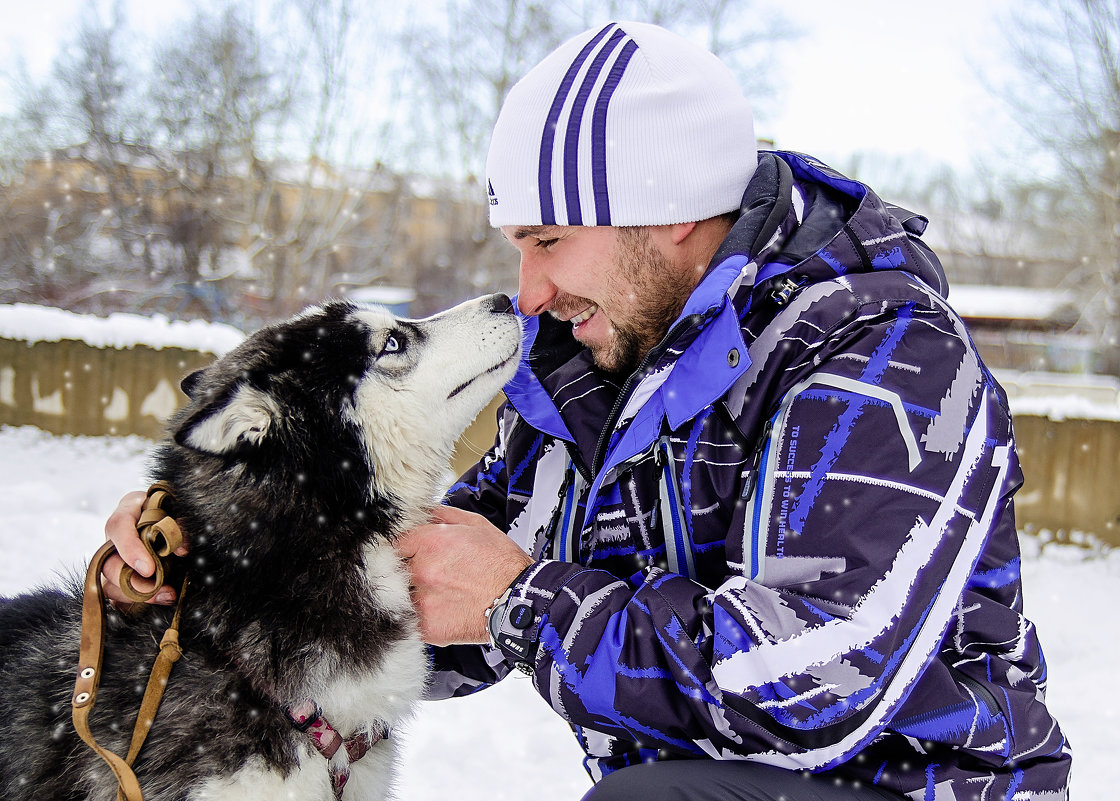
{"x":1072,"y":466}
{"x":1072,"y":477}
{"x":68,"y":387}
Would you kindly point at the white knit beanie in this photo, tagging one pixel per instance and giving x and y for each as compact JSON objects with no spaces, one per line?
{"x":628,"y":124}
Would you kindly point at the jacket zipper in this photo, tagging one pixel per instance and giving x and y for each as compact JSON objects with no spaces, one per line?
{"x":982,"y":692}
{"x":674,"y":528}
{"x":608,"y":427}
{"x":567,"y":534}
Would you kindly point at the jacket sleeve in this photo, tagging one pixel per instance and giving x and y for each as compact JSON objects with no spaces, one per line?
{"x":887,"y":465}
{"x":463,"y":669}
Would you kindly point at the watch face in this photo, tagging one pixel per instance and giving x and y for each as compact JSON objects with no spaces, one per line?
{"x":516,"y":614}
{"x":494,"y":622}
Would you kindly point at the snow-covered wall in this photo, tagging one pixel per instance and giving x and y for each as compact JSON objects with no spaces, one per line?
{"x":80,"y":374}
{"x":29,"y":323}
{"x":1062,"y":396}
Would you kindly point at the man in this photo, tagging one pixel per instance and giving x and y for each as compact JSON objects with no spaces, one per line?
{"x":748,"y":520}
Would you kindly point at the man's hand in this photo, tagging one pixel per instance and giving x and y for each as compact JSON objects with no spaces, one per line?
{"x":459,"y":564}
{"x":121,"y":529}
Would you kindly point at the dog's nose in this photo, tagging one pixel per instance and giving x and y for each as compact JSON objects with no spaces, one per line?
{"x":500,"y":304}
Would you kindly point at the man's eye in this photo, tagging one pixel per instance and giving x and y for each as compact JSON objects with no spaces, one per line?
{"x":392,"y":345}
{"x":546,"y":243}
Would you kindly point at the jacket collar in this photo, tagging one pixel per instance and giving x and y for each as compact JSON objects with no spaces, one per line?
{"x":678,"y":385}
{"x":798,"y":216}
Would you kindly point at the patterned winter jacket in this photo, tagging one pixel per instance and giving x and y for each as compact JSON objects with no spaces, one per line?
{"x":789,"y":537}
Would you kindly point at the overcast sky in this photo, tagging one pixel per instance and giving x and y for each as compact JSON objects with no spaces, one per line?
{"x":899,"y":77}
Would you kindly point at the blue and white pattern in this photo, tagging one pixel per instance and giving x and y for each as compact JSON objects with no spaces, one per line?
{"x":627,"y":124}
{"x":574,"y":144}
{"x":805,"y":556}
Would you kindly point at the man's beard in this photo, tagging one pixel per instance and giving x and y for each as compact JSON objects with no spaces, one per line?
{"x":660,"y":292}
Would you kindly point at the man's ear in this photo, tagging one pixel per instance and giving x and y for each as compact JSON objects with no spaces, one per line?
{"x":673,"y":237}
{"x":680,"y":231}
{"x":238,"y":419}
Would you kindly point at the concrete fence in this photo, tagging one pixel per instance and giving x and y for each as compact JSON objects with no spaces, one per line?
{"x":1072,"y":466}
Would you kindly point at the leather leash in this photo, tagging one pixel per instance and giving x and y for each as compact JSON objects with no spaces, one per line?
{"x":161,"y":536}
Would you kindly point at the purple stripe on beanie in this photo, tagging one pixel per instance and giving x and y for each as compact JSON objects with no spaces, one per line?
{"x":599,"y":134}
{"x":575,"y":121}
{"x":544,"y":169}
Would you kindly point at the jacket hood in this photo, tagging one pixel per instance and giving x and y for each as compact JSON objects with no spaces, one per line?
{"x":801,"y":218}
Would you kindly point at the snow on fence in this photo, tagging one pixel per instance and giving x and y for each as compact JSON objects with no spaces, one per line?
{"x":76,"y":374}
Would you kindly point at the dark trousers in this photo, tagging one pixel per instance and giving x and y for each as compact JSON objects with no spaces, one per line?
{"x":726,"y":780}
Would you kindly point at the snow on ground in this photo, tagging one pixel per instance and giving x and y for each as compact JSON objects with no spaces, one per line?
{"x":504,"y":743}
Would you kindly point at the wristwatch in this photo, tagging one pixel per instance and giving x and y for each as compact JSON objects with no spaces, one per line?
{"x":512,"y":623}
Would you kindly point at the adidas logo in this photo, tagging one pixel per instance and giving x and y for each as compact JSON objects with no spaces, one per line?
{"x":490,"y":194}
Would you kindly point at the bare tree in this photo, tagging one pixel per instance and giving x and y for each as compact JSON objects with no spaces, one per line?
{"x":286,"y":166}
{"x":1069,"y":103}
{"x":465,"y":60}
{"x":87,"y":101}
{"x":331,"y":218}
{"x":743,"y":33}
{"x":217,"y":100}
{"x":469,"y":56}
{"x":240,"y":165}
{"x":20,"y":135}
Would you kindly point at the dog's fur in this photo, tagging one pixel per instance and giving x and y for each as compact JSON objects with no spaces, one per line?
{"x":298,"y":457}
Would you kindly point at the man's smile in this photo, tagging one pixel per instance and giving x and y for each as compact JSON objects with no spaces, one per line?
{"x":583,"y":316}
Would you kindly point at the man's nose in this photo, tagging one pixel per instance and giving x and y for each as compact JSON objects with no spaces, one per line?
{"x":535,"y":293}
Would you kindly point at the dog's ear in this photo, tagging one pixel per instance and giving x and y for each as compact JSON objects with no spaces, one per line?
{"x":190,"y":383}
{"x":240,"y":418}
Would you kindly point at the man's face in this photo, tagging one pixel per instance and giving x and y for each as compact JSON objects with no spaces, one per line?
{"x":614,"y":285}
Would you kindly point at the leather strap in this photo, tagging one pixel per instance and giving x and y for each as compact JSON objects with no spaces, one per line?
{"x":161,"y":536}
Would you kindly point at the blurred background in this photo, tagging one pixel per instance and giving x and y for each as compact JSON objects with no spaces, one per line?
{"x":234,"y":161}
{"x":174,"y":173}
{"x":238,"y":160}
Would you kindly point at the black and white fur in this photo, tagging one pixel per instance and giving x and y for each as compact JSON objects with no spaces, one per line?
{"x":298,"y":457}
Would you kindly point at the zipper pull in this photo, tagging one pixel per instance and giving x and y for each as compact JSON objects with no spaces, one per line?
{"x":661,"y":459}
{"x":748,"y":489}
{"x":750,"y":475}
{"x":784,"y":291}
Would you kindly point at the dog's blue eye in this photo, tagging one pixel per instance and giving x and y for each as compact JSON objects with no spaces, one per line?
{"x":392,"y":345}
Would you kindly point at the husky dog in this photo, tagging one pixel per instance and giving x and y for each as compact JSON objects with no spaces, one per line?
{"x":298,"y":457}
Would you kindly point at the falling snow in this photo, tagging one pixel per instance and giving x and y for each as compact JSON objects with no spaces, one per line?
{"x":56,"y":492}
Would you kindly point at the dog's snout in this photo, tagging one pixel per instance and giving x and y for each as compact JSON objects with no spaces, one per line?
{"x":499,"y":304}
